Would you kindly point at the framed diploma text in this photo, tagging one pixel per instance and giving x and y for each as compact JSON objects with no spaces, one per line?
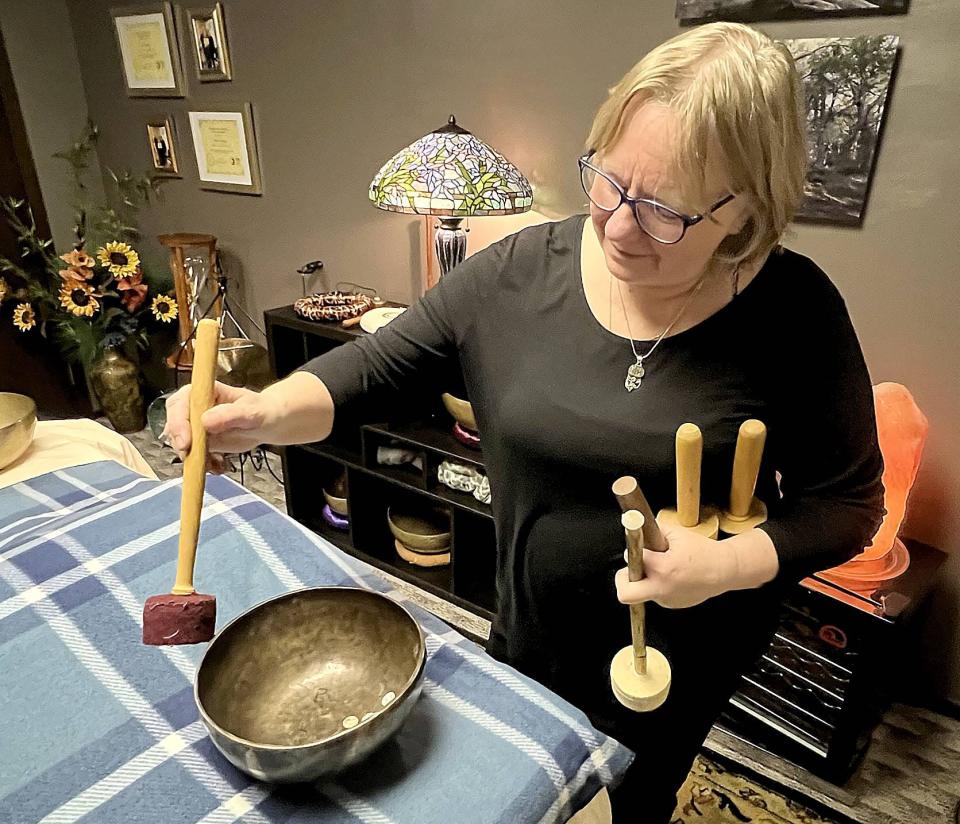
{"x":148,"y":50}
{"x":226,"y":150}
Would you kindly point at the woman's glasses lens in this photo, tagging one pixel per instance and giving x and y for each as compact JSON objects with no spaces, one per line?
{"x":660,"y":223}
{"x":602,"y":193}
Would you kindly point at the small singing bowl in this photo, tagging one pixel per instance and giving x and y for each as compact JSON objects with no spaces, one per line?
{"x":461,"y":411}
{"x":337,"y":504}
{"x":310,"y":682}
{"x":18,"y":421}
{"x":428,"y":531}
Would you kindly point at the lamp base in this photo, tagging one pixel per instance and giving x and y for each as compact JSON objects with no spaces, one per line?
{"x":451,"y":244}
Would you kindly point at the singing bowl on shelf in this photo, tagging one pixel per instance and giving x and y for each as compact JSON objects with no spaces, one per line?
{"x":426,"y":531}
{"x":18,"y":421}
{"x":335,"y":494}
{"x":337,"y":504}
{"x":460,"y":410}
{"x":300,"y":686}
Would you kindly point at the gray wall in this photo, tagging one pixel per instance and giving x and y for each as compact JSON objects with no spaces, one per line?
{"x":46,"y":72}
{"x":339,"y":86}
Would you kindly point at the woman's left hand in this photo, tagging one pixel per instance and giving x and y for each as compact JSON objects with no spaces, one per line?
{"x":692,"y":570}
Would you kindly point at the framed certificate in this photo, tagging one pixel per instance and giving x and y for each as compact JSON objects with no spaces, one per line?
{"x":148,"y":50}
{"x":226,"y":150}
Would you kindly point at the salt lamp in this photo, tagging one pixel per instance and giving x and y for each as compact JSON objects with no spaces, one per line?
{"x":902,"y":431}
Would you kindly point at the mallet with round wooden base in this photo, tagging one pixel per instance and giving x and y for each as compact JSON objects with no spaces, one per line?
{"x":689,"y":514}
{"x":746,"y":511}
{"x":639,"y":675}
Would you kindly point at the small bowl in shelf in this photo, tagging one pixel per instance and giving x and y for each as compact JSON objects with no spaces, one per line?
{"x":422,"y":531}
{"x":337,"y":504}
{"x":466,"y":437}
{"x":461,"y":411}
{"x":335,"y":494}
{"x":422,"y":559}
{"x":18,"y":422}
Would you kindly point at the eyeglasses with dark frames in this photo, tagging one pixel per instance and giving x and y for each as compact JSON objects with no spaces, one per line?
{"x":663,"y":224}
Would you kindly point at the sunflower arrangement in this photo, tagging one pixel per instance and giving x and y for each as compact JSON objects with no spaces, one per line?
{"x":96,"y":295}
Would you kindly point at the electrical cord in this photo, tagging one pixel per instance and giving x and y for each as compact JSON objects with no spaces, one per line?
{"x":258,"y":459}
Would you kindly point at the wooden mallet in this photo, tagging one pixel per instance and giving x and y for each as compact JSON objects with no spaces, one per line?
{"x":639,"y":675}
{"x":746,"y":511}
{"x":185,"y":616}
{"x":630,"y":496}
{"x":689,"y":514}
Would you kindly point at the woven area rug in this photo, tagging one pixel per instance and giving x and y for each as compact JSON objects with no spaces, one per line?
{"x":713,"y":795}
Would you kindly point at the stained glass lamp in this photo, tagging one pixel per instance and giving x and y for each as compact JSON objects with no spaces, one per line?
{"x":452,"y":174}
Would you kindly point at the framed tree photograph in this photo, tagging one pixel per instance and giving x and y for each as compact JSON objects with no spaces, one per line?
{"x":846,"y":83}
{"x":226,"y":150}
{"x":208,"y":38}
{"x":752,"y":11}
{"x":148,"y":50}
{"x":163,"y":150}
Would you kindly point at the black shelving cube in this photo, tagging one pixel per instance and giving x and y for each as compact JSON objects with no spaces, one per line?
{"x":469,"y":581}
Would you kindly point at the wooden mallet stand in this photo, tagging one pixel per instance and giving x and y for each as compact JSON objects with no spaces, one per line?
{"x":639,"y":674}
{"x":689,"y":514}
{"x":629,"y":495}
{"x":745,"y":511}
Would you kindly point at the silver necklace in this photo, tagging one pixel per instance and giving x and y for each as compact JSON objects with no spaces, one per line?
{"x":636,"y":371}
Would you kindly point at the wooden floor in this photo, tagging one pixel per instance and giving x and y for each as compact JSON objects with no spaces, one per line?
{"x":910,"y":774}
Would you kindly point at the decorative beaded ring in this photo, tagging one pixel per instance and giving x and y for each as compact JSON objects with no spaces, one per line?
{"x":332,"y":305}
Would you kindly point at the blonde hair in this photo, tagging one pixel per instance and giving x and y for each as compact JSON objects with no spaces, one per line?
{"x":739,"y":103}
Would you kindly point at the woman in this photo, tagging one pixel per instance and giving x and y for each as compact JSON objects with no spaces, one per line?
{"x":695,"y":165}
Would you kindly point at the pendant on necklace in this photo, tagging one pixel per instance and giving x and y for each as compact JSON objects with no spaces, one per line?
{"x":635,"y":373}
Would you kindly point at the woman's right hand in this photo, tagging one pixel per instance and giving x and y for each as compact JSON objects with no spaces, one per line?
{"x":237,"y":422}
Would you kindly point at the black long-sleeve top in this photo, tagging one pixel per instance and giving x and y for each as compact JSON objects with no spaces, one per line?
{"x":557,"y":426}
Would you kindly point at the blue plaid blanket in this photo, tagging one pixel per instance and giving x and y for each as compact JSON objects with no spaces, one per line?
{"x":97,"y":727}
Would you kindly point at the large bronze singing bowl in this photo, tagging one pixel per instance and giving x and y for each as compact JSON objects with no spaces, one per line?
{"x":310,"y":682}
{"x":18,"y":421}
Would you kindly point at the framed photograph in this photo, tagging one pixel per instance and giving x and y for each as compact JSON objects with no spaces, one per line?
{"x":226,"y":150}
{"x":163,"y":151}
{"x":847,"y":82}
{"x":148,"y":50}
{"x":752,"y":11}
{"x":208,"y":36}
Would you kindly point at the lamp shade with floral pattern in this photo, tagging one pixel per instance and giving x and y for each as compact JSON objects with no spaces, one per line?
{"x":451,"y":173}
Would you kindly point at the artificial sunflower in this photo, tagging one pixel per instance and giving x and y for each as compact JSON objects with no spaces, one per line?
{"x":78,"y":259}
{"x":78,"y":299}
{"x":23,"y":317}
{"x":164,"y":308}
{"x":120,"y":258}
{"x":3,"y":289}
